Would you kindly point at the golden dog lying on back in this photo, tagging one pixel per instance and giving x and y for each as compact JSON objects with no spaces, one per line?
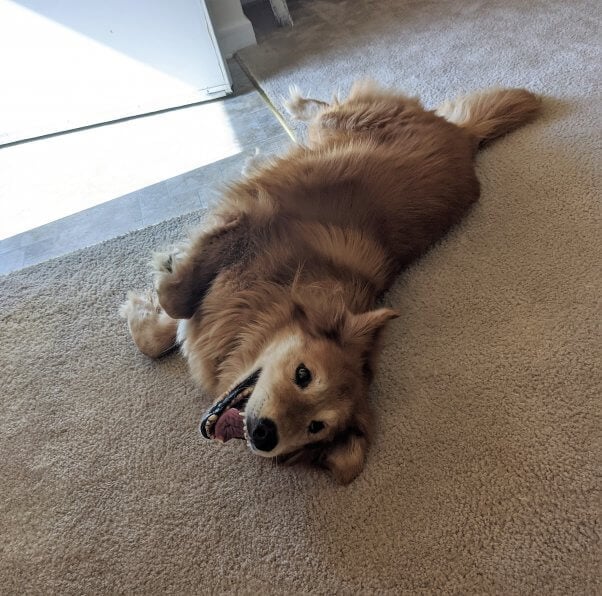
{"x":274,"y":302}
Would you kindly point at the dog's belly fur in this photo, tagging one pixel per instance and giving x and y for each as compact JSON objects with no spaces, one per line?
{"x":349,"y":211}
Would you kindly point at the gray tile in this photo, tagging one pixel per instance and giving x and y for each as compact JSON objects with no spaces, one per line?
{"x":105,"y":220}
{"x":10,"y":244}
{"x":210,"y":176}
{"x":276,"y":145}
{"x":156,"y":209}
{"x":36,"y":234}
{"x":251,"y":120}
{"x":245,"y":102}
{"x":248,"y":115}
{"x":185,"y":183}
{"x":152,"y":195}
{"x":100,"y":223}
{"x":209,"y":179}
{"x":42,"y":250}
{"x":82,"y":229}
{"x":11,"y":260}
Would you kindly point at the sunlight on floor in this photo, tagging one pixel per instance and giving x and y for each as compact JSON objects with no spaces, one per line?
{"x":45,"y":180}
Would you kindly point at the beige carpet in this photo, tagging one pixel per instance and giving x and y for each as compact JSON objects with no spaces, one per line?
{"x":485,"y":473}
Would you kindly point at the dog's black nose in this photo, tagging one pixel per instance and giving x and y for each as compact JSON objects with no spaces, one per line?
{"x":264,"y":434}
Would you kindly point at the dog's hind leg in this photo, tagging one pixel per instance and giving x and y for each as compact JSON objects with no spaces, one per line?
{"x":152,"y":329}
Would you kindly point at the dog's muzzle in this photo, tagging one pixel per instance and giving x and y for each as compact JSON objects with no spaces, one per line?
{"x":224,"y":420}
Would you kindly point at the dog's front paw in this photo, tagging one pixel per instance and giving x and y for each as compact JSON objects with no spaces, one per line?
{"x":166,"y":262}
{"x":138,"y":307}
{"x":174,"y":279}
{"x":153,"y":332}
{"x":166,"y":269}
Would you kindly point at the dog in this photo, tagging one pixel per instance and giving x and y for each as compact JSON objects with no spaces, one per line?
{"x":275,"y":300}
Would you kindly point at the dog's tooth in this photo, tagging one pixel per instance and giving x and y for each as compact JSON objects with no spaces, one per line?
{"x":212,"y":418}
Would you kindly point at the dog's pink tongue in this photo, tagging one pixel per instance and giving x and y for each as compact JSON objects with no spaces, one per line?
{"x":229,"y":426}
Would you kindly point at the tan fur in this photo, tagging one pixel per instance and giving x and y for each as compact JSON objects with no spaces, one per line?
{"x":492,"y":113}
{"x":151,"y":328}
{"x":297,"y":255}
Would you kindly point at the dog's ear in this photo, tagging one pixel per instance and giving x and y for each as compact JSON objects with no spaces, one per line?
{"x":364,"y":328}
{"x":344,"y":457}
{"x":362,"y":332}
{"x":345,"y":454}
{"x":327,"y":316}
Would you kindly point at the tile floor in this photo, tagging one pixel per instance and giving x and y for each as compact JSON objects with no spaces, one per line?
{"x":61,"y":221}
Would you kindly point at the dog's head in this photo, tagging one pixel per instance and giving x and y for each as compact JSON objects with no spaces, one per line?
{"x":309,"y":398}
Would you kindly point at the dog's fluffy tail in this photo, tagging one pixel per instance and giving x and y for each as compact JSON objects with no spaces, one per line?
{"x":489,"y":114}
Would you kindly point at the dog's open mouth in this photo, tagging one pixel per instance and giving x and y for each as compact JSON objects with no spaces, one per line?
{"x":224,"y":420}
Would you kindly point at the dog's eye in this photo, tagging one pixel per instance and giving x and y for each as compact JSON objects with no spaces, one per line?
{"x":302,"y":376}
{"x":315,"y":426}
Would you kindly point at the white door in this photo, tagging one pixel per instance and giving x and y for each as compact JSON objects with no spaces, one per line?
{"x":65,"y":64}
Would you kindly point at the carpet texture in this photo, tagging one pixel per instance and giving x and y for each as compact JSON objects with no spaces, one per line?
{"x":485,"y":472}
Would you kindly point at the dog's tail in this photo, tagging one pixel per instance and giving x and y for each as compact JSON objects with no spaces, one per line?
{"x":489,"y":114}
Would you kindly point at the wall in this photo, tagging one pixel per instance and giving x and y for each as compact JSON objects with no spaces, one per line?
{"x":232,"y":28}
